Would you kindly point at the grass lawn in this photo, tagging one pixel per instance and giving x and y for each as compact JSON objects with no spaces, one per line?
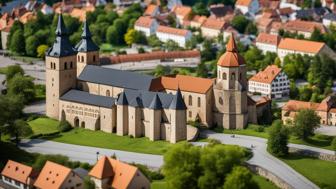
{"x":319,"y":141}
{"x":43,"y":125}
{"x":322,"y":173}
{"x":262,"y":182}
{"x":3,"y":70}
{"x":106,"y":47}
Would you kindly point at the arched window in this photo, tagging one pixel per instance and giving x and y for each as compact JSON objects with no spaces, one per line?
{"x":220,"y":101}
{"x":54,"y":67}
{"x":190,"y":100}
{"x":82,"y":58}
{"x":199,"y":101}
{"x":65,"y":65}
{"x":71,"y":64}
{"x":78,"y":58}
{"x":51,"y":65}
{"x":94,"y":58}
{"x":107,"y":92}
{"x":224,"y":76}
{"x":233,"y":76}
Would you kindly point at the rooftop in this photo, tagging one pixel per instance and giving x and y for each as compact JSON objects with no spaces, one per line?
{"x":305,"y":26}
{"x":267,"y":75}
{"x":17,"y":171}
{"x":87,"y":98}
{"x":243,"y":2}
{"x":150,"y":9}
{"x":144,"y":21}
{"x":182,"y":11}
{"x":296,"y":105}
{"x":301,"y":45}
{"x":268,"y":38}
{"x":172,"y":31}
{"x":214,"y":24}
{"x":231,"y":58}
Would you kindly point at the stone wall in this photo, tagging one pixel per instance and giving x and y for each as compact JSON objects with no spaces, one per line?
{"x":269,"y":176}
{"x":319,"y":155}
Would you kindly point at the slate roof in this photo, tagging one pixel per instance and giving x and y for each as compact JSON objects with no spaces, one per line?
{"x":330,"y":16}
{"x":152,"y":100}
{"x":117,"y":78}
{"x":178,"y":102}
{"x":62,"y":46}
{"x":307,"y":13}
{"x":87,"y":98}
{"x":86,"y":44}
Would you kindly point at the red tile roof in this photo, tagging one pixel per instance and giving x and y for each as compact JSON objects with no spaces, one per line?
{"x":304,"y":26}
{"x":185,"y":83}
{"x":243,"y":2}
{"x":144,"y":21}
{"x":214,"y":24}
{"x":173,"y":31}
{"x":17,"y":171}
{"x":150,"y":9}
{"x":267,"y":75}
{"x":296,"y":105}
{"x":268,"y":39}
{"x":182,"y":11}
{"x":301,"y":45}
{"x":52,"y":176}
{"x":231,"y":58}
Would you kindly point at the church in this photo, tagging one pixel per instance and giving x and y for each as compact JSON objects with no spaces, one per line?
{"x":82,"y":92}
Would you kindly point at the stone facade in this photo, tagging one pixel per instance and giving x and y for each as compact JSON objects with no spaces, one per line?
{"x":121,"y":102}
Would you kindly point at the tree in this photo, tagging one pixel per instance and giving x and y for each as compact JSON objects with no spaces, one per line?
{"x":161,"y":70}
{"x":12,"y":70}
{"x":171,"y":45}
{"x":216,"y":162}
{"x":31,"y":45}
{"x":278,"y":139}
{"x":22,"y":86}
{"x":64,"y":126}
{"x":240,"y":178}
{"x":88,"y":183}
{"x":19,"y":128}
{"x":305,"y":122}
{"x":111,"y":35}
{"x":130,"y":37}
{"x":251,"y":28}
{"x":240,"y":23}
{"x":200,"y":9}
{"x":153,"y":41}
{"x":41,"y":50}
{"x":181,"y":166}
{"x":333,"y":144}
{"x":11,"y":109}
{"x":17,"y":43}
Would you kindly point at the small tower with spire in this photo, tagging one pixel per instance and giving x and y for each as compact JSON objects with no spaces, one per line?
{"x":60,"y":69}
{"x":155,"y":109}
{"x":230,"y":110}
{"x":178,"y":130}
{"x":122,"y":114}
{"x":88,"y":51}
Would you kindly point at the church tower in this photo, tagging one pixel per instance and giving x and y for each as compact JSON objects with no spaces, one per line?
{"x":230,"y":90}
{"x":88,"y":51}
{"x":60,"y":69}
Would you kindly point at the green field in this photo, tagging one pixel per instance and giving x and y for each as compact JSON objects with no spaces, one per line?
{"x":44,"y":125}
{"x":262,"y":182}
{"x":322,"y":173}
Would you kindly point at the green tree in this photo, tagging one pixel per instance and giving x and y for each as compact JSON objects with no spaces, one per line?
{"x":12,"y":70}
{"x":171,"y":45}
{"x":17,"y":43}
{"x":88,"y":183}
{"x":240,"y":178}
{"x":305,"y":122}
{"x":278,"y":139}
{"x":293,"y":90}
{"x":181,"y":166}
{"x":161,"y":70}
{"x":111,"y":35}
{"x":333,"y":144}
{"x":22,"y":86}
{"x":41,"y":50}
{"x":130,"y":36}
{"x":31,"y":45}
{"x":153,"y":41}
{"x":200,"y":9}
{"x":19,"y":128}
{"x":240,"y":23}
{"x":217,"y":161}
{"x":251,"y":28}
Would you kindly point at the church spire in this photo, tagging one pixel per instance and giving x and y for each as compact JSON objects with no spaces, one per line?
{"x":86,"y":44}
{"x":231,"y":45}
{"x":178,"y":102}
{"x":61,"y":29}
{"x":231,"y":57}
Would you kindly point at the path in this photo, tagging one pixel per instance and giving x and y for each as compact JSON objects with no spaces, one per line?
{"x":260,"y":156}
{"x":326,"y":130}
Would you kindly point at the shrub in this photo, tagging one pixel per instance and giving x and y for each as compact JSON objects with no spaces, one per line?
{"x":64,"y":126}
{"x":151,"y":175}
{"x":333,"y":144}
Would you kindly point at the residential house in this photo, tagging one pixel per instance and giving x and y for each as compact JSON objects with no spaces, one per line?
{"x":80,"y":13}
{"x":326,"y":110}
{"x":180,"y":36}
{"x":46,"y":9}
{"x":303,"y":47}
{"x":247,"y":6}
{"x":269,"y":4}
{"x":111,"y":173}
{"x":173,"y":3}
{"x":146,"y":24}
{"x":17,"y":175}
{"x":275,"y":28}
{"x":197,"y":21}
{"x":268,"y":42}
{"x":315,"y":14}
{"x":56,"y":176}
{"x":264,"y":24}
{"x":329,"y":4}
{"x":152,"y":10}
{"x":329,"y":19}
{"x":182,"y":13}
{"x":306,"y":28}
{"x":286,"y":14}
{"x":213,"y":28}
{"x":219,"y":11}
{"x":271,"y":82}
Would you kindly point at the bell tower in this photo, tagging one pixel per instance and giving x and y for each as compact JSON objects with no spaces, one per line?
{"x":60,"y":66}
{"x":230,"y":92}
{"x":88,"y":51}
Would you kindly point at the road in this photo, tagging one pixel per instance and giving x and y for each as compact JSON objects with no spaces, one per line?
{"x":36,"y":70}
{"x":260,"y":156}
{"x":35,"y":108}
{"x":326,"y":130}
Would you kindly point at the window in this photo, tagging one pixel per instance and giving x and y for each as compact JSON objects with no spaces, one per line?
{"x":190,"y":100}
{"x":224,"y":76}
{"x":199,"y":101}
{"x":94,"y":58}
{"x":78,"y":58}
{"x":71,"y":64}
{"x":220,"y":101}
{"x":107,"y":92}
{"x":51,"y":65}
{"x":65,"y":65}
{"x":233,"y":76}
{"x":82,"y":58}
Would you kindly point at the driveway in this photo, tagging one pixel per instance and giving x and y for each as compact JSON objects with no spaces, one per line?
{"x":35,"y":108}
{"x":263,"y":159}
{"x":326,"y":130}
